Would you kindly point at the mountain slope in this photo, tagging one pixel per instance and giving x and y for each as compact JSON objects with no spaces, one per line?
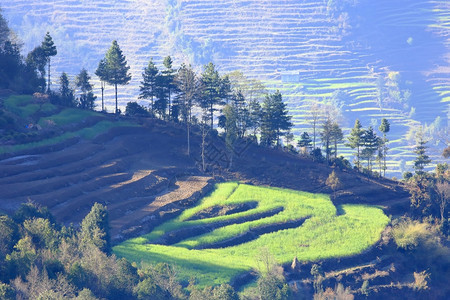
{"x":311,"y":50}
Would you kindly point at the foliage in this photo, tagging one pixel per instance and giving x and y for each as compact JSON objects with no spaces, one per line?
{"x":87,"y":98}
{"x":134,"y":109}
{"x":333,"y":182}
{"x":422,"y":159}
{"x":148,"y":84}
{"x":95,"y":228}
{"x":355,"y":141}
{"x":275,"y":121}
{"x":49,"y":49}
{"x":114,"y":69}
{"x":66,"y":95}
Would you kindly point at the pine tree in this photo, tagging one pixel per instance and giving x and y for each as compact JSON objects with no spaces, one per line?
{"x":384,"y":128}
{"x":36,"y":60}
{"x":254,"y":116}
{"x":167,"y":80}
{"x":49,"y":48}
{"x":116,"y":69}
{"x":189,"y":91}
{"x":212,"y":91}
{"x":371,"y":143}
{"x":422,"y":159}
{"x":326,"y":135}
{"x":87,"y":98}
{"x":337,"y":136}
{"x":355,"y":141}
{"x":305,"y":141}
{"x":95,"y":228}
{"x":66,"y":93}
{"x":275,"y":121}
{"x":148,"y":85}
{"x":231,"y":130}
{"x":101,"y":73}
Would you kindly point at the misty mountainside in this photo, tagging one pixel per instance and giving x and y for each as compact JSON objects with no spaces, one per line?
{"x":368,"y":59}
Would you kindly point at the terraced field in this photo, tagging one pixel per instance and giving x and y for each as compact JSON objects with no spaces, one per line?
{"x":92,"y":157}
{"x":224,"y":235}
{"x":307,"y":49}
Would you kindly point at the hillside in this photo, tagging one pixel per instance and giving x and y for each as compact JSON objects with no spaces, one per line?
{"x":140,"y":170}
{"x":311,"y":50}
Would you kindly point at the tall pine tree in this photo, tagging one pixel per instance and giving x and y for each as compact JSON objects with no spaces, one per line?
{"x":101,"y":73}
{"x":212,"y":91}
{"x":148,"y":83}
{"x":371,"y":143}
{"x":49,"y":48}
{"x":116,"y":68}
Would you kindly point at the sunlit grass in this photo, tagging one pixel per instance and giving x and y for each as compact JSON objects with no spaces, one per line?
{"x":324,"y":234}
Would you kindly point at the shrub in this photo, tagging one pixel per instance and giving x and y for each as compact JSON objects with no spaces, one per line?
{"x":134,"y":109}
{"x":408,"y":233}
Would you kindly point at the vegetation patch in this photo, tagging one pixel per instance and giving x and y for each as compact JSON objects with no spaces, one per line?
{"x":320,"y":234}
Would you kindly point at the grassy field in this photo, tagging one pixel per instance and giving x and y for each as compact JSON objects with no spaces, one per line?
{"x":324,"y":234}
{"x":24,"y":108}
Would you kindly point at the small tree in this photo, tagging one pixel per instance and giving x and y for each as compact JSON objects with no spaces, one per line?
{"x":333,"y":182}
{"x":337,"y":136}
{"x":95,"y":228}
{"x":305,"y":141}
{"x":443,"y":191}
{"x":116,"y":68}
{"x":371,"y":144}
{"x":49,"y":48}
{"x":168,"y":84}
{"x":422,"y":159}
{"x":66,"y":93}
{"x":231,"y":130}
{"x":355,"y":141}
{"x":87,"y":98}
{"x":384,"y":128}
{"x":101,"y":72}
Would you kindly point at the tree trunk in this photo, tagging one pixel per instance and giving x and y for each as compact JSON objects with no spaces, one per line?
{"x":103,"y":89}
{"x":115,"y":85}
{"x":188,"y":134}
{"x":48,"y":82}
{"x":212,"y":116}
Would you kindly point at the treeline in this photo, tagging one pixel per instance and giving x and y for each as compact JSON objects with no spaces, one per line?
{"x":39,"y":259}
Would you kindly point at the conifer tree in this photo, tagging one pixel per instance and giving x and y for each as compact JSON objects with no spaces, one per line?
{"x":231,"y":130}
{"x":371,"y":143}
{"x":275,"y":121}
{"x":422,"y":159}
{"x":326,"y":135}
{"x":148,"y":84}
{"x":189,"y":91}
{"x":355,"y":141}
{"x":95,"y":228}
{"x":66,"y":93}
{"x":305,"y":141}
{"x":87,"y":98}
{"x":212,"y":91}
{"x":49,"y":48}
{"x":116,"y":70}
{"x":384,"y":128}
{"x":102,"y":75}
{"x":337,"y":136}
{"x":168,"y":84}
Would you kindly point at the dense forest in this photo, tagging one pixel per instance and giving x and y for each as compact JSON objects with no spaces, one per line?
{"x":40,"y":259}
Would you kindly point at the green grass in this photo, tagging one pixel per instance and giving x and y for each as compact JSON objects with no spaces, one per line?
{"x":86,"y":133}
{"x":22,"y":106}
{"x":323,"y":235}
{"x":68,"y":116}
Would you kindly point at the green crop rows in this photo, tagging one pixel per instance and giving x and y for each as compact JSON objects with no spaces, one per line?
{"x":324,"y":233}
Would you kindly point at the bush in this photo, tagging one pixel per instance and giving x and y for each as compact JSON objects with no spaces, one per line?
{"x":408,"y":233}
{"x":134,"y":109}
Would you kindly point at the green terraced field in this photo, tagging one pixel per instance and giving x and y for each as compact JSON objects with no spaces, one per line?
{"x":25,"y":108}
{"x":216,"y":248}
